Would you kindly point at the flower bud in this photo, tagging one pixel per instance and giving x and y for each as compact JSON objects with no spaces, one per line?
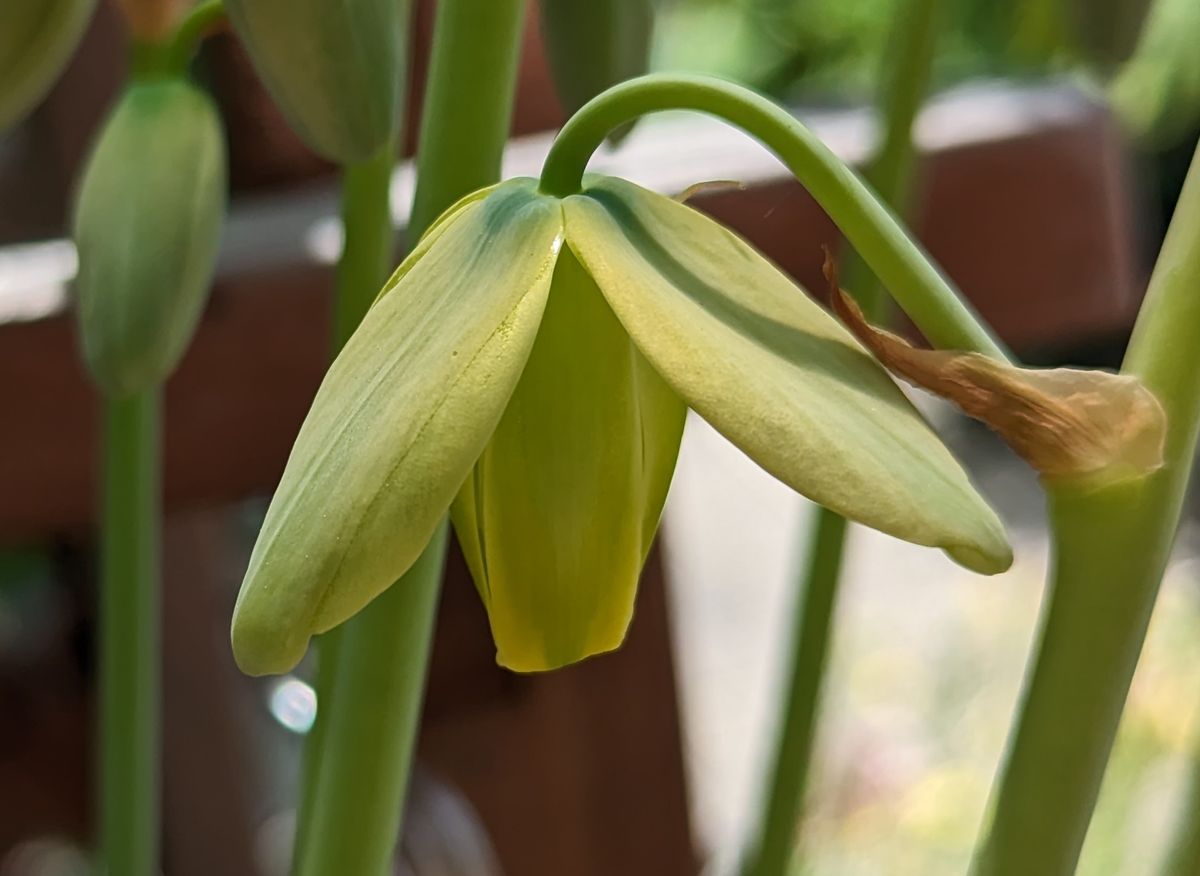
{"x":594,"y":45}
{"x":147,"y":227}
{"x":1107,"y":31}
{"x":334,"y":69}
{"x":37,"y":38}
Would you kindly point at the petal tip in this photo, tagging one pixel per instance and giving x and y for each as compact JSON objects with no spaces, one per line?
{"x":262,"y":647}
{"x":986,"y":557}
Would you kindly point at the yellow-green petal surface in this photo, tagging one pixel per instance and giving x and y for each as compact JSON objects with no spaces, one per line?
{"x":562,"y":507}
{"x":775,"y":373}
{"x":399,"y":420}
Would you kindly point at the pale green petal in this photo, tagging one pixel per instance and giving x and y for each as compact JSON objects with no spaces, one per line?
{"x":562,"y":507}
{"x":774,"y":373}
{"x":400,"y":418}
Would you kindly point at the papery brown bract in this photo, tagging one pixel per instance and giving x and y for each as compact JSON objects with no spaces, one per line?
{"x":1065,"y":422}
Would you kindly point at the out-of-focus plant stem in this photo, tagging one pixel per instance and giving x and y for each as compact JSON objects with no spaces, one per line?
{"x":1111,"y":542}
{"x":372,"y":677}
{"x":130,"y":637}
{"x":1183,"y":856}
{"x":904,"y":83}
{"x":201,"y":19}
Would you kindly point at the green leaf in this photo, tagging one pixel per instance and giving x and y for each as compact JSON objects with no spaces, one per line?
{"x":562,"y":507}
{"x":774,"y":373}
{"x":399,"y":420}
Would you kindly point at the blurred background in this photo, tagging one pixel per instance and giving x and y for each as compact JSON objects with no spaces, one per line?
{"x":1045,"y":182}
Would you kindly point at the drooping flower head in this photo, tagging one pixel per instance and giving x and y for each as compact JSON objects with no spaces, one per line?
{"x":529,"y":367}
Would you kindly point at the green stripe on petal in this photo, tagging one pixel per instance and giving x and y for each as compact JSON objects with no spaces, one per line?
{"x":562,"y":507}
{"x":399,"y":420}
{"x":774,"y":373}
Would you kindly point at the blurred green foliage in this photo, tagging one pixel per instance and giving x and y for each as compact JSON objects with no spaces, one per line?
{"x":916,"y":719}
{"x":830,"y":50}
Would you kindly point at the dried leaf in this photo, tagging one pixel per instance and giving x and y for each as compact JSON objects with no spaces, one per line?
{"x":1064,"y":422}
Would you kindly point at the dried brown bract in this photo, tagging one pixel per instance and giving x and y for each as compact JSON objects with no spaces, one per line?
{"x":1064,"y":422}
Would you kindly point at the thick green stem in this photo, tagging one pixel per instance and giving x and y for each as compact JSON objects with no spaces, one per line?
{"x":468,"y":103}
{"x":1111,"y":545}
{"x":369,"y":241}
{"x":376,"y":673}
{"x":929,"y":300}
{"x":372,"y":678}
{"x":130,"y":636}
{"x":905,"y":79}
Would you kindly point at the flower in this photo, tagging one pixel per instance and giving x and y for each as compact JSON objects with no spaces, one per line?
{"x":531,"y":363}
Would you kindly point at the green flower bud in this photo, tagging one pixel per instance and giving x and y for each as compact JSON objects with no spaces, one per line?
{"x":593,"y":45}
{"x":1107,"y":31}
{"x":539,"y":352}
{"x":37,"y":38}
{"x":336,"y":70}
{"x":147,"y":227}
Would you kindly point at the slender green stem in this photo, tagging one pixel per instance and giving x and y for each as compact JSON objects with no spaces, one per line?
{"x":810,"y":647}
{"x":1111,"y":545}
{"x":199,"y":21}
{"x":1183,"y":857}
{"x":372,"y":678}
{"x":130,"y":637}
{"x":905,"y":79}
{"x":900,"y":264}
{"x":904,"y":85}
{"x":369,"y":240}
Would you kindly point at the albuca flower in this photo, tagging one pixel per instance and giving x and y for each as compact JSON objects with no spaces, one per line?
{"x":530,"y":365}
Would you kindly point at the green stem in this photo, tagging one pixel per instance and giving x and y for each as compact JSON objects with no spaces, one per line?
{"x":1183,"y":857}
{"x":376,"y":673}
{"x":183,"y":44}
{"x":367,"y":254}
{"x":916,"y":284}
{"x":1111,"y":545}
{"x":369,"y":240}
{"x":130,"y":637}
{"x":905,"y":80}
{"x":810,"y":648}
{"x":905,"y":83}
{"x":468,"y":103}
{"x":372,"y":678}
